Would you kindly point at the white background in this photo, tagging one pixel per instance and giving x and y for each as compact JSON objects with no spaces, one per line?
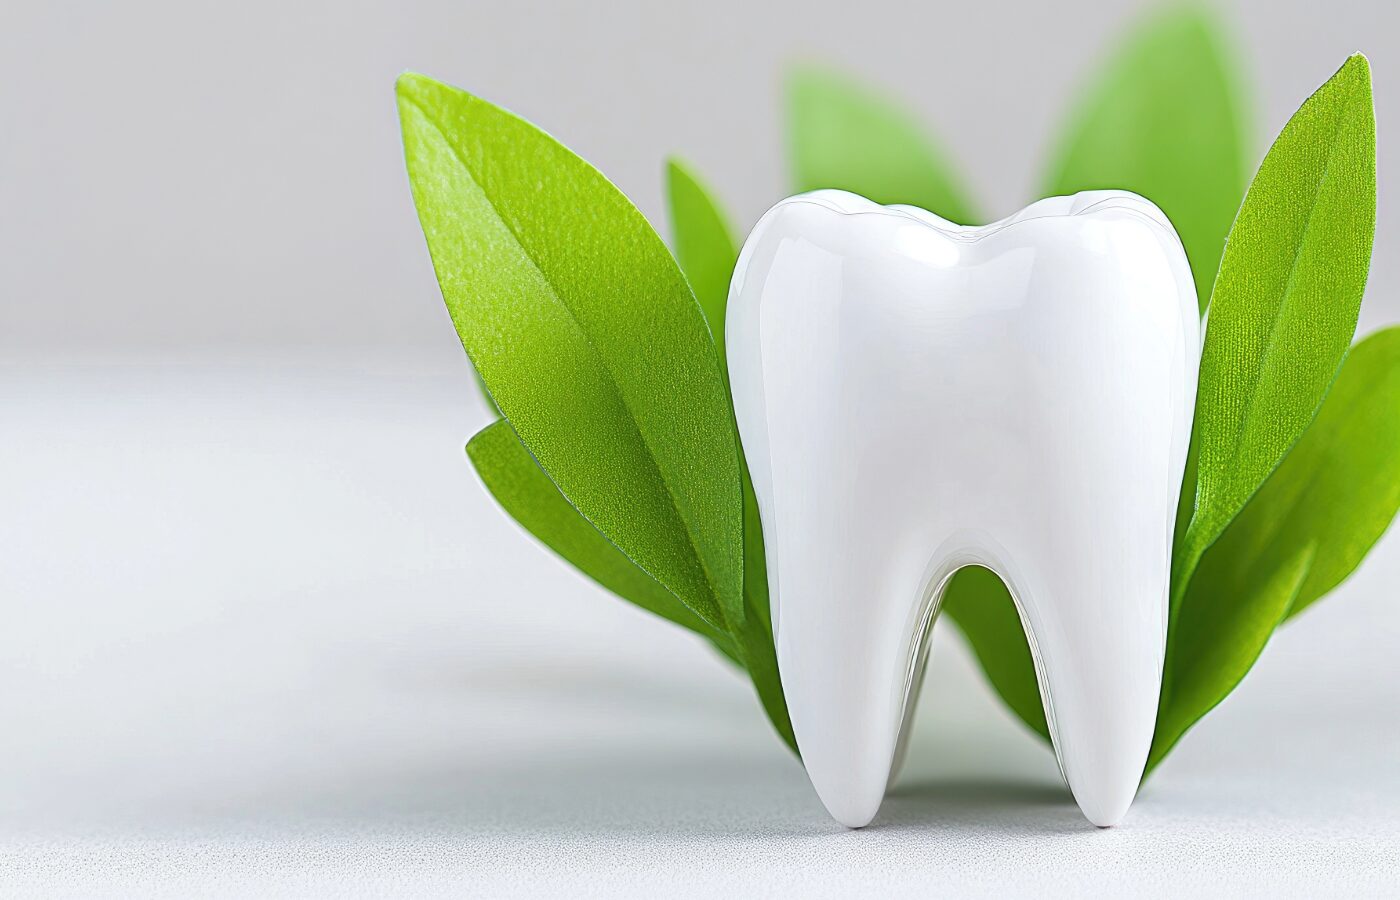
{"x":264,"y":633}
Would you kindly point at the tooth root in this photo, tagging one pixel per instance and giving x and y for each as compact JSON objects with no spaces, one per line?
{"x":843,"y":661}
{"x":1102,"y":692}
{"x":914,"y":397}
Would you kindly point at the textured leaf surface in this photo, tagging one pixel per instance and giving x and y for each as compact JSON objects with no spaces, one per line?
{"x":704,"y":244}
{"x":707,"y":253}
{"x":1285,"y":302}
{"x":1164,"y":119}
{"x":587,"y":336}
{"x":843,"y":135}
{"x":1305,"y":531}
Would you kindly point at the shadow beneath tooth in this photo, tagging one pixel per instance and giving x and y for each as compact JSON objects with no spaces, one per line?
{"x":1024,"y":806}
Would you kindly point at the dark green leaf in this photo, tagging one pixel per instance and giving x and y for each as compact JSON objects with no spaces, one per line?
{"x":755,"y":561}
{"x":755,"y":642}
{"x":1163,"y":119}
{"x":1285,"y":302}
{"x":842,"y":135}
{"x":588,"y":337}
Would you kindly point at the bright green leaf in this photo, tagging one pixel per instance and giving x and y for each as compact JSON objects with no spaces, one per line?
{"x":707,"y":253}
{"x":1164,"y":119}
{"x":705,"y":247}
{"x":1285,"y":302}
{"x":525,"y":492}
{"x":528,"y":496}
{"x":1306,"y":529}
{"x":843,"y":135}
{"x":1339,"y":488}
{"x":593,"y":346}
{"x":588,"y":337}
{"x":981,"y":606}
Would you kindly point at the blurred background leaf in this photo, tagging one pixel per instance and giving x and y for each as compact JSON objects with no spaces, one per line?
{"x":844,"y":135}
{"x":1165,"y":118}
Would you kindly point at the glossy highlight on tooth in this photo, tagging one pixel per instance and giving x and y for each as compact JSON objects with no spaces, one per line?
{"x":915,"y":396}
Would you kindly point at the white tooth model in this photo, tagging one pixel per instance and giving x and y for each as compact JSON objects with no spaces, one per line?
{"x":916,"y":396}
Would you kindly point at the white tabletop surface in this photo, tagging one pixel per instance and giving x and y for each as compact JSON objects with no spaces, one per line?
{"x":265,"y":635}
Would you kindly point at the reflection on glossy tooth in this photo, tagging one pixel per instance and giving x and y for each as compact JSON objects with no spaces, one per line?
{"x":914,"y":397}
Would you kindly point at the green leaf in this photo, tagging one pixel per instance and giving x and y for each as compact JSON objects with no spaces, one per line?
{"x":1227,"y":618}
{"x":1285,"y":303}
{"x":593,"y":346}
{"x":981,"y":606}
{"x":1163,"y":119}
{"x":755,"y":559}
{"x":1339,"y":488}
{"x":707,"y":253}
{"x":587,"y":336}
{"x":842,"y":135}
{"x":1305,"y":531}
{"x":705,"y":247}
{"x":755,"y":642}
{"x":525,"y":492}
{"x":528,"y":496}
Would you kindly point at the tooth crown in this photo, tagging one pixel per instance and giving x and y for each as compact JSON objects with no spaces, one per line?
{"x":916,"y":396}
